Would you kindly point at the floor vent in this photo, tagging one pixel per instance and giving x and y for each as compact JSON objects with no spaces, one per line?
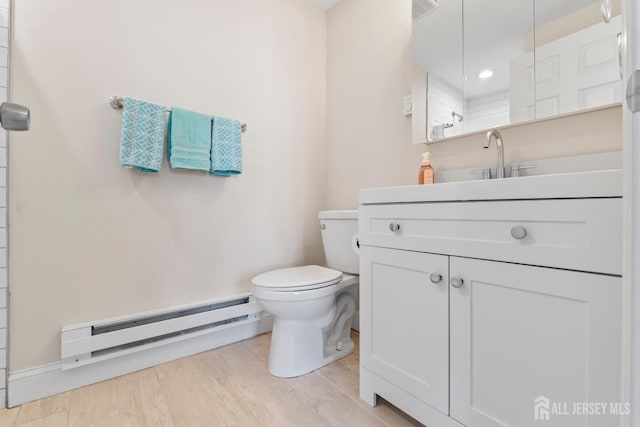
{"x":92,"y":342}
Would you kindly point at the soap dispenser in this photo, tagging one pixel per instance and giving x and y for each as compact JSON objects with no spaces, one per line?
{"x":426,"y":175}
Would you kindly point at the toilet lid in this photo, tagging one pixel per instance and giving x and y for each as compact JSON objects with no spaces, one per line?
{"x":297,"y":278}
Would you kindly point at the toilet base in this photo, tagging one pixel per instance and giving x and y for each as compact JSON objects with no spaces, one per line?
{"x":296,"y":349}
{"x":333,"y":354}
{"x":310,"y":328}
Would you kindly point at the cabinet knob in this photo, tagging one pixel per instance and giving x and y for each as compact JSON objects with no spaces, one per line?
{"x":518,"y":232}
{"x":457,"y":282}
{"x":394,"y":226}
{"x":435,"y":278}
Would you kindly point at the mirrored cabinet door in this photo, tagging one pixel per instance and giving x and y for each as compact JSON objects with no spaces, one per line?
{"x":497,"y":63}
{"x":493,"y":63}
{"x":438,"y":90}
{"x":577,"y":56}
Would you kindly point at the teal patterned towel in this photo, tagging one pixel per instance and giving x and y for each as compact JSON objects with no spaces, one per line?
{"x":142,"y":136}
{"x":226,"y":147}
{"x":189,"y":137}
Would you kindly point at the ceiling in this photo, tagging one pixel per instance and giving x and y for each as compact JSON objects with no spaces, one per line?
{"x":325,"y":4}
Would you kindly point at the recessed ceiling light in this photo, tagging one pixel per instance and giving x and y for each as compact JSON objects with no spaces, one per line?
{"x":485,"y":74}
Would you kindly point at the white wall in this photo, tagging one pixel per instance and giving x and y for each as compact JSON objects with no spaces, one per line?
{"x":90,"y":239}
{"x":587,"y":133}
{"x":369,"y":69}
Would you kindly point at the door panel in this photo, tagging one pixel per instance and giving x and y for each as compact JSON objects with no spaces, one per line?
{"x":519,"y":333}
{"x":404,"y":321}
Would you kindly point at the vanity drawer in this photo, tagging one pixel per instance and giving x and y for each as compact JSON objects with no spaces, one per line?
{"x":575,"y":234}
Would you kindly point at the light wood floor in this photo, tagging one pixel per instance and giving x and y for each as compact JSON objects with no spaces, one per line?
{"x":229,"y":386}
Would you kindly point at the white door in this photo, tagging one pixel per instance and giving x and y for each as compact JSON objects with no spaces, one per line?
{"x":579,"y":71}
{"x":404,"y":321}
{"x":631,"y":120}
{"x":523,"y":335}
{"x":575,"y":72}
{"x":522,"y":89}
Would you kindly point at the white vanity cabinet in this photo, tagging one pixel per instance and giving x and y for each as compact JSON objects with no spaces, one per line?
{"x":472,"y":310}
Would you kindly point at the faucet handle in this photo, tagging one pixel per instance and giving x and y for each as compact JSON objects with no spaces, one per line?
{"x":484,"y":173}
{"x":516,"y":168}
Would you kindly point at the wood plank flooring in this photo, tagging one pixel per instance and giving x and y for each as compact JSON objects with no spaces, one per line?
{"x":228,"y":386}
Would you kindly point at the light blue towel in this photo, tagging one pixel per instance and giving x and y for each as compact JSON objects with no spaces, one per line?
{"x":226,"y":147}
{"x":142,"y":135}
{"x":189,"y":137}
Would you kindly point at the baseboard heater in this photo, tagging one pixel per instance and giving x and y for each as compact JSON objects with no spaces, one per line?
{"x":95,"y":341}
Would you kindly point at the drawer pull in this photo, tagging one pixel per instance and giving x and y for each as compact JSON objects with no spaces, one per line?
{"x":394,"y":226}
{"x":518,"y":232}
{"x":435,"y":278}
{"x":457,"y":282}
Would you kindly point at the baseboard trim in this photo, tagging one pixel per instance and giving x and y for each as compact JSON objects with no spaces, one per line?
{"x":47,"y":380}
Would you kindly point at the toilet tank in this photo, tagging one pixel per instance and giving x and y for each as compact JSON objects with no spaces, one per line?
{"x":339,"y":238}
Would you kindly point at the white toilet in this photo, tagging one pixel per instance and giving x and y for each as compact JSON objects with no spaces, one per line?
{"x":313,"y":306}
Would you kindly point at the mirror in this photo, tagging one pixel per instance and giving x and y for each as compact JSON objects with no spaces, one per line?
{"x":438,"y":75}
{"x":577,"y":56}
{"x":495,"y":33}
{"x":481,"y":65}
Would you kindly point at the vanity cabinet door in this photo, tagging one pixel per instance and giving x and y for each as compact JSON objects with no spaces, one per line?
{"x":404,"y":321}
{"x":521,"y":333}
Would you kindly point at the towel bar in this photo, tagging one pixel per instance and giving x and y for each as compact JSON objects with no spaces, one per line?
{"x":117,"y":103}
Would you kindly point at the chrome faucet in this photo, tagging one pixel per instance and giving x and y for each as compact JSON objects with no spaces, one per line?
{"x":500,"y":148}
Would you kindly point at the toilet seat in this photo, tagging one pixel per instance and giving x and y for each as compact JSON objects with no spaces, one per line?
{"x":264,"y":294}
{"x":297,"y":279}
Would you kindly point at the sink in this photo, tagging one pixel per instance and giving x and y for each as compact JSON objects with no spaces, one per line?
{"x":602,"y":183}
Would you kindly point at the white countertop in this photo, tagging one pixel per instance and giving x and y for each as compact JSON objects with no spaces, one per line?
{"x":606,"y":183}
